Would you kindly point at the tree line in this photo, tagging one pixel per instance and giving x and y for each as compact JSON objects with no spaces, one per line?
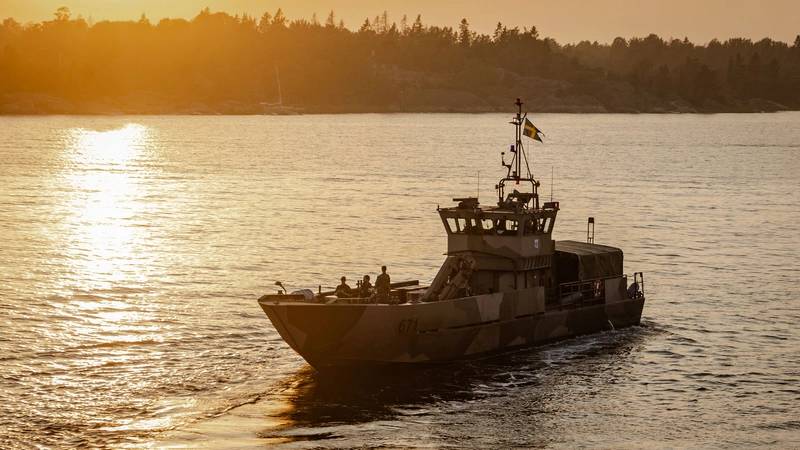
{"x":217,"y":62}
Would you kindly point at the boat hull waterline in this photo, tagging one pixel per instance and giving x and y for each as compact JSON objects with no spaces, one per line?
{"x":341,"y":335}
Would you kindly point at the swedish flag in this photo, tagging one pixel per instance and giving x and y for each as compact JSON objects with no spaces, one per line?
{"x":531,"y":131}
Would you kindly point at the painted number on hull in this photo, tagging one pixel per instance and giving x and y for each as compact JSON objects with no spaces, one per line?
{"x":407,"y":326}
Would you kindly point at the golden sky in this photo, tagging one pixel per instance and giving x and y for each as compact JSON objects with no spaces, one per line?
{"x":564,"y":20}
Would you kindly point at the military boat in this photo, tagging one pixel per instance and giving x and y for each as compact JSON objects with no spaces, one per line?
{"x":504,"y":284}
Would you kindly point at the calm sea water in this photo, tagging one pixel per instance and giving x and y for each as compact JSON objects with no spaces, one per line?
{"x":132,"y":251}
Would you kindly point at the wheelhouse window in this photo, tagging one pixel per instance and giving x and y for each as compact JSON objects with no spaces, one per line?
{"x":505,"y":226}
{"x":482,"y":225}
{"x":452,"y":225}
{"x":533,"y":226}
{"x":462,"y":224}
{"x":512,"y":225}
{"x":547,"y":226}
{"x":487,"y":225}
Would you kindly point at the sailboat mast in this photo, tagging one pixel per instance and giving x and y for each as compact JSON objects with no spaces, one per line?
{"x":280,"y":94}
{"x":518,"y":155}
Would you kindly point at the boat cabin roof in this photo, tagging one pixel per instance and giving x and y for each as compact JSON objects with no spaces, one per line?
{"x":585,"y":248}
{"x":469,"y":218}
{"x":576,"y":261}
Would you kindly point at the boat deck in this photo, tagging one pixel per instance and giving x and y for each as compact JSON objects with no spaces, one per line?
{"x":401,"y":292}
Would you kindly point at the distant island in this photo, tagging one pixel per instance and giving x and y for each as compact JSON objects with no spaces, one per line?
{"x":217,"y":63}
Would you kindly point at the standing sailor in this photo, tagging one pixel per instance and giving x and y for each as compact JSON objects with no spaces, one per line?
{"x":382,"y":285}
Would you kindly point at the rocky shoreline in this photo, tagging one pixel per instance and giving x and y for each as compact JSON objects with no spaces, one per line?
{"x":429,"y":102}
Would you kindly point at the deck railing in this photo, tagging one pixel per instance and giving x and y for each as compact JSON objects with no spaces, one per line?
{"x":594,"y":291}
{"x":582,"y":292}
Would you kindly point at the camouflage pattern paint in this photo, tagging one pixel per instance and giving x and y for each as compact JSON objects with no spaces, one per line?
{"x":329,"y":335}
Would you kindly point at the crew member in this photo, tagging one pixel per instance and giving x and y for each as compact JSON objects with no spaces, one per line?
{"x":382,"y":285}
{"x":343,"y":290}
{"x":366,"y":288}
{"x":633,"y":290}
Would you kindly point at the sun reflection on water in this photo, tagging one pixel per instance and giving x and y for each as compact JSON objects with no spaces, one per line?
{"x":118,"y":146}
{"x":106,"y":211}
{"x":106,"y":235}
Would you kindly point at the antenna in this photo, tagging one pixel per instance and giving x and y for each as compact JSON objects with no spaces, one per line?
{"x":478,"y":193}
{"x":552,"y":171}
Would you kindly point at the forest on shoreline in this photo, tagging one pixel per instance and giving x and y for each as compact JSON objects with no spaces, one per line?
{"x":217,"y":63}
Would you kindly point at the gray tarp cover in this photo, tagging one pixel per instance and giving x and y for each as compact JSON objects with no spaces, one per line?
{"x":583,"y":261}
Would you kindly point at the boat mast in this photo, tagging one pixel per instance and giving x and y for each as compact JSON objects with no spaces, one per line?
{"x":519,"y":153}
{"x":514,"y":169}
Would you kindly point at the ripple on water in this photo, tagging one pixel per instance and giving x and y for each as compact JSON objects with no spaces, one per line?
{"x":133,"y":249}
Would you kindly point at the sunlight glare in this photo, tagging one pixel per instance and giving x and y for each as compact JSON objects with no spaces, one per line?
{"x":105,"y":236}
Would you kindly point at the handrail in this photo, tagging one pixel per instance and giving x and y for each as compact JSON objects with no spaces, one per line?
{"x":595,"y":287}
{"x":391,"y":286}
{"x":591,"y":279}
{"x":638,"y":278}
{"x":586,"y":290}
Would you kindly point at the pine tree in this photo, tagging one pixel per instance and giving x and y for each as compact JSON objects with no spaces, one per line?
{"x":404,"y":25}
{"x":417,"y":27}
{"x":464,"y":35}
{"x":499,"y":31}
{"x":279,"y":19}
{"x":265,"y":22}
{"x":63,"y":14}
{"x":366,"y":26}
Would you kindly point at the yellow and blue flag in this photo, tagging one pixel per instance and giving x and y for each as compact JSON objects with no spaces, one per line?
{"x":531,"y":131}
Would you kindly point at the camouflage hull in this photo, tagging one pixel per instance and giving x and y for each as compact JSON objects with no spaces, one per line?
{"x":357,"y":335}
